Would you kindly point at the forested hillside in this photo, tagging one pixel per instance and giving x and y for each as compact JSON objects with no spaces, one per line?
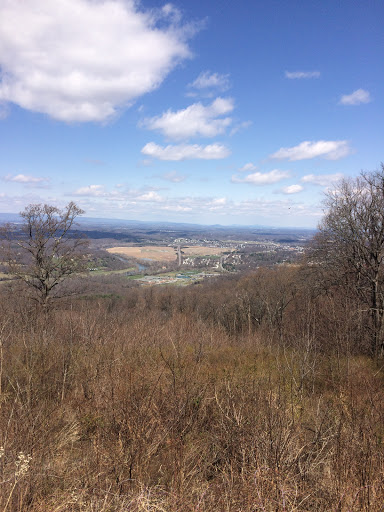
{"x":251,"y":393}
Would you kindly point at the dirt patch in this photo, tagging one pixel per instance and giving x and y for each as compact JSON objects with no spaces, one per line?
{"x":150,"y":252}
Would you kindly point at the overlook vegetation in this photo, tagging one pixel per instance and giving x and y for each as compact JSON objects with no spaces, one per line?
{"x":253,"y":391}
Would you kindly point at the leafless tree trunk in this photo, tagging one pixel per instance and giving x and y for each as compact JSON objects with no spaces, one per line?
{"x":44,"y":252}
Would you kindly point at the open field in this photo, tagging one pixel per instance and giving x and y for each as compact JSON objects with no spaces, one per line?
{"x":164,"y":253}
{"x":151,"y":252}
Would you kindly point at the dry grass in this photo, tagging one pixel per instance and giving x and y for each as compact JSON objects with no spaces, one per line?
{"x":144,"y":404}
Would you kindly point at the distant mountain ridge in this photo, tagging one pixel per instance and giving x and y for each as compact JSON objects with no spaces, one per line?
{"x":161,"y":225}
{"x":9,"y":217}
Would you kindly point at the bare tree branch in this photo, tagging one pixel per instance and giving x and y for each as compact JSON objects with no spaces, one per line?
{"x":350,"y":243}
{"x":44,"y":253}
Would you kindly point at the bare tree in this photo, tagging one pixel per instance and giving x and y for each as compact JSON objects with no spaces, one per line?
{"x":44,"y":252}
{"x":350,"y":244}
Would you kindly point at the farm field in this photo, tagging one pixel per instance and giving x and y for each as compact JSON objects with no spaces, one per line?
{"x":155,"y":253}
{"x":165,"y":253}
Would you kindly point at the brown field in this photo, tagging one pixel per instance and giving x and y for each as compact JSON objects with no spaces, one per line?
{"x":150,"y":252}
{"x":163,"y":253}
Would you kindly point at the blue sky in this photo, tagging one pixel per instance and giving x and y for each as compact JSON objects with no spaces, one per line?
{"x":216,"y":112}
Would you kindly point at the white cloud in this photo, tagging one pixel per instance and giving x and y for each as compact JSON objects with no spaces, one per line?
{"x":26,"y":180}
{"x":249,"y":167}
{"x":195,"y":120}
{"x":260,"y":178}
{"x":173,"y":176}
{"x":176,"y":208}
{"x":171,"y":12}
{"x":292,"y":189}
{"x":186,"y":151}
{"x":148,"y":204}
{"x":329,"y":149}
{"x":220,"y":201}
{"x":356,"y":98}
{"x":323,"y":180}
{"x":302,"y":74}
{"x":91,"y":190}
{"x":208,"y":80}
{"x":151,"y":196}
{"x":84,"y":60}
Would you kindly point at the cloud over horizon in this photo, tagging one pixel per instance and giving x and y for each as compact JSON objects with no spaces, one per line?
{"x":81,"y":60}
{"x":132,"y":202}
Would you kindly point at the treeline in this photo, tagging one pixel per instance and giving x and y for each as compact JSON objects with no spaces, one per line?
{"x":254,"y":392}
{"x":283,"y":304}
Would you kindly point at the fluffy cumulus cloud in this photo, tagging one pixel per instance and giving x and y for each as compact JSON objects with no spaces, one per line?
{"x":292,"y":189}
{"x":262,"y":178}
{"x":356,"y":98}
{"x":195,"y":120}
{"x":24,"y":179}
{"x":323,"y":180}
{"x":83,"y":60}
{"x":295,"y":75}
{"x":208,"y":80}
{"x":185,"y":151}
{"x":328,"y":149}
